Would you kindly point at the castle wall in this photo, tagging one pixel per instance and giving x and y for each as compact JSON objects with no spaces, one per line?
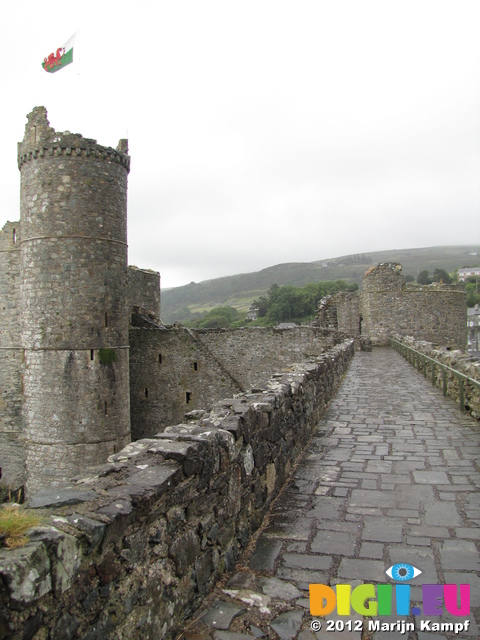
{"x":73,"y":300}
{"x":436,"y":313}
{"x":171,"y":374}
{"x":251,"y":354}
{"x":176,"y":371}
{"x":144,"y":291}
{"x":12,"y":453}
{"x":152,"y":531}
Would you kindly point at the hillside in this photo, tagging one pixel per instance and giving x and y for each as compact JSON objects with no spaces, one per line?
{"x":240,"y":290}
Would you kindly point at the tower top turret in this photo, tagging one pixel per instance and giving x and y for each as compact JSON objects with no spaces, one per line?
{"x":40,"y":140}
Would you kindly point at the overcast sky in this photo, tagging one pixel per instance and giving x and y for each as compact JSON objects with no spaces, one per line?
{"x":262,"y":131}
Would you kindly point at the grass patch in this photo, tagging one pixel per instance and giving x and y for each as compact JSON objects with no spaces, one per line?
{"x":107,"y":356}
{"x":15,"y":521}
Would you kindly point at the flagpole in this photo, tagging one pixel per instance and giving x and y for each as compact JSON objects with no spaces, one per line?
{"x":77,"y":41}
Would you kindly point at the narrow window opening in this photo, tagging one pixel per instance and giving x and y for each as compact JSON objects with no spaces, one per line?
{"x":159,"y":358}
{"x":14,"y":236}
{"x":188,"y":396}
{"x":106,"y":408}
{"x":106,"y":319}
{"x":91,"y":354}
{"x":195,"y":366}
{"x":146,"y":392}
{"x":114,"y":448}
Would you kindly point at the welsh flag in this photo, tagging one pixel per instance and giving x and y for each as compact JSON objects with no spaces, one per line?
{"x":62,"y":57}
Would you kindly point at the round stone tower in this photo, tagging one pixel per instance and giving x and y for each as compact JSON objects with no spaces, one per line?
{"x":74,"y":316}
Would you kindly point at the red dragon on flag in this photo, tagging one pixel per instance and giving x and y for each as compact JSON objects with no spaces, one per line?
{"x":53,"y":60}
{"x":63,"y":56}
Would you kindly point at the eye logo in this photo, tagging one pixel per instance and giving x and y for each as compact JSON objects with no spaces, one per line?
{"x":402,"y":572}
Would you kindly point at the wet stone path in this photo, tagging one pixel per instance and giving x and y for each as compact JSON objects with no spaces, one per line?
{"x":391,"y":476}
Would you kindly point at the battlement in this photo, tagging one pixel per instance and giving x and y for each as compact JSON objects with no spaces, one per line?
{"x":41,"y":140}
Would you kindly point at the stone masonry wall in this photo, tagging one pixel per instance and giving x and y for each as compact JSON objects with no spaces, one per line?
{"x":348,"y":313}
{"x":12,"y":454}
{"x":171,"y":374}
{"x":131,"y":548}
{"x":144,"y":291}
{"x":73,"y":265}
{"x":436,"y":313}
{"x":175,"y":371}
{"x":251,"y":354}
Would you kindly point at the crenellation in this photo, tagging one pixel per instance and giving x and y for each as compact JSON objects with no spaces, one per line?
{"x":55,"y":144}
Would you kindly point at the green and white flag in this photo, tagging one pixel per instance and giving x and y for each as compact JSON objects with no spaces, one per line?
{"x":63,"y":56}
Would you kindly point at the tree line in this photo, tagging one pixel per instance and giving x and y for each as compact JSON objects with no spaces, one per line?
{"x":296,"y":304}
{"x":440,"y":275}
{"x":285,"y":303}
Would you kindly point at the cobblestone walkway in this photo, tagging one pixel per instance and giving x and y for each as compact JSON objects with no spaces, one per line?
{"x":391,"y":476}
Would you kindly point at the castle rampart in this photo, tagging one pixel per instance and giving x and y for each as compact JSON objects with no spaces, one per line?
{"x":74,"y":317}
{"x":138,"y":542}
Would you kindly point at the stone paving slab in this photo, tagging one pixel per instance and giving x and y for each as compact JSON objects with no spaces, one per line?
{"x":391,"y":477}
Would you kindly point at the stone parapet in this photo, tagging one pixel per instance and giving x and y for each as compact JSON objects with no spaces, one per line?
{"x":131,"y":547}
{"x":455,"y":359}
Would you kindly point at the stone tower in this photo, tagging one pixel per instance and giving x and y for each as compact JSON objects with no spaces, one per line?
{"x":73,"y":301}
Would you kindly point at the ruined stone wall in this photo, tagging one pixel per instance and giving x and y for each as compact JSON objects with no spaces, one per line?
{"x":12,"y":453}
{"x":144,"y":291}
{"x":348,"y":313}
{"x":73,"y":263}
{"x":436,"y":313}
{"x":175,"y":371}
{"x":339,"y":316}
{"x":142,"y":539}
{"x":327,"y":313}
